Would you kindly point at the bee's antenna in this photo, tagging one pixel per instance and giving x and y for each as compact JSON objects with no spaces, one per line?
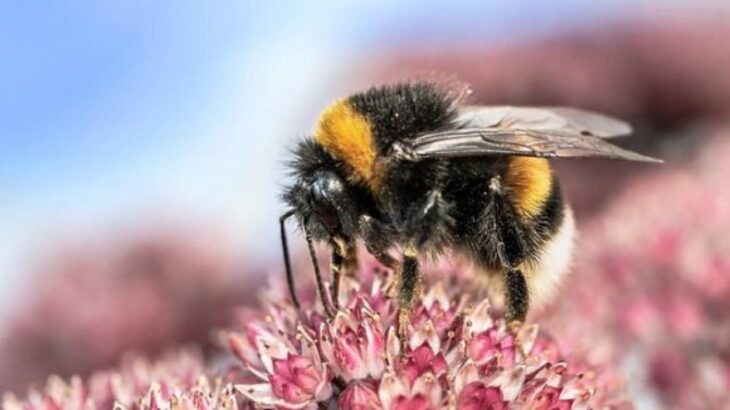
{"x":317,"y":273}
{"x":287,"y":263}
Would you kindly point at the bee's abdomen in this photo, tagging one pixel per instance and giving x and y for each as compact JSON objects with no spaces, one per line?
{"x":532,"y":207}
{"x":547,"y":267}
{"x":538,"y":204}
{"x":528,"y":182}
{"x":548,"y":220}
{"x":541,"y":241}
{"x":533,"y":191}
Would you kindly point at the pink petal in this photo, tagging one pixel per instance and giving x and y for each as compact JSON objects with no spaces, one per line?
{"x":262,"y":395}
{"x":427,"y":385}
{"x":476,"y":396}
{"x":283,"y":388}
{"x":510,"y":382}
{"x":392,"y":347}
{"x":436,"y":295}
{"x":359,"y":395}
{"x":375,"y":347}
{"x":467,"y":374}
{"x":480,"y":319}
{"x":426,"y":333}
{"x":482,"y":348}
{"x":391,"y":387}
{"x":348,"y":357}
{"x":418,"y":402}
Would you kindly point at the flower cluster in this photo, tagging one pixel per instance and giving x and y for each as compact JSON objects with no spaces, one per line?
{"x":661,"y":259}
{"x":182,"y":281}
{"x":458,"y":354}
{"x":176,"y":382}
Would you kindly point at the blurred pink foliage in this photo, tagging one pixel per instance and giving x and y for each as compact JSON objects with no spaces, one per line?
{"x":459,"y":354}
{"x":652,"y":278}
{"x":176,"y":381}
{"x":663,"y":73}
{"x":92,"y":302}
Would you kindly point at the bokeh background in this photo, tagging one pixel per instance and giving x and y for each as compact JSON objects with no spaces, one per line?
{"x":142,"y":148}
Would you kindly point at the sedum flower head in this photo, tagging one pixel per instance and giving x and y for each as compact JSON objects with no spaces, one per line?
{"x":176,"y":382}
{"x":458,"y":354}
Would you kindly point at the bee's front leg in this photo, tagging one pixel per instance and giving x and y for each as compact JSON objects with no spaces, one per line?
{"x":343,"y":262}
{"x":409,"y":283}
{"x":378,"y":238}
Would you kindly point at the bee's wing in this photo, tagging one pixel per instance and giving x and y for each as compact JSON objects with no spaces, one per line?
{"x":541,"y":118}
{"x":535,"y":132}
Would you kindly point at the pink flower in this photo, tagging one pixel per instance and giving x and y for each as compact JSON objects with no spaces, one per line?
{"x":477,"y":396}
{"x":659,"y":256}
{"x":456,"y":355}
{"x":177,"y":382}
{"x":353,"y":343}
{"x":437,"y":308}
{"x":79,"y":318}
{"x":292,"y":377}
{"x":361,"y":395}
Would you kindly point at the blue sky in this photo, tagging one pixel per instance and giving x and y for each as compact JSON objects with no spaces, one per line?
{"x":113,"y":111}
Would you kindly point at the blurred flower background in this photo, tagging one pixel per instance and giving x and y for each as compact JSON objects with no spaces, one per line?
{"x":141,"y":150}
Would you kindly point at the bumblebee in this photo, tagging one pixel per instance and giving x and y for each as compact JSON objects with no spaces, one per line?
{"x":408,"y":168}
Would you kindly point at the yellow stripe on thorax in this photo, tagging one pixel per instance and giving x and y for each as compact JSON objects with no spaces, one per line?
{"x":529,"y":181}
{"x":347,"y":136}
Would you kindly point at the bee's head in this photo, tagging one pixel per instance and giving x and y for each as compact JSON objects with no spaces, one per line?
{"x":321,"y":199}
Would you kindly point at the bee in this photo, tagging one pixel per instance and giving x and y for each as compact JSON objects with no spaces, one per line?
{"x":408,"y":168}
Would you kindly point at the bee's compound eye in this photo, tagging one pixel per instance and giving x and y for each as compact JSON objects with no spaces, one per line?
{"x":319,"y":194}
{"x":327,"y":189}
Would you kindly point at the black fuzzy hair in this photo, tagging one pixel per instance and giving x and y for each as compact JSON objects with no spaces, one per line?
{"x":310,"y":162}
{"x":309,"y":157}
{"x":404,"y":110}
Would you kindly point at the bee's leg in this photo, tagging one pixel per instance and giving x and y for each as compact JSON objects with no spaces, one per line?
{"x":409,"y":287}
{"x":378,"y":238}
{"x":509,"y":240}
{"x":429,"y":224}
{"x":344,"y":262}
{"x":518,"y":297}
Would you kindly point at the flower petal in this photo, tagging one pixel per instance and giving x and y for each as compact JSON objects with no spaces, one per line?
{"x":391,"y":387}
{"x":510,"y":382}
{"x":359,"y":395}
{"x":426,"y":333}
{"x":262,"y":395}
{"x":480,"y":319}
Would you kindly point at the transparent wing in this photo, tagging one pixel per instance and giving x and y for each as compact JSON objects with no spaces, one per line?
{"x":476,"y":142}
{"x":563,"y":119}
